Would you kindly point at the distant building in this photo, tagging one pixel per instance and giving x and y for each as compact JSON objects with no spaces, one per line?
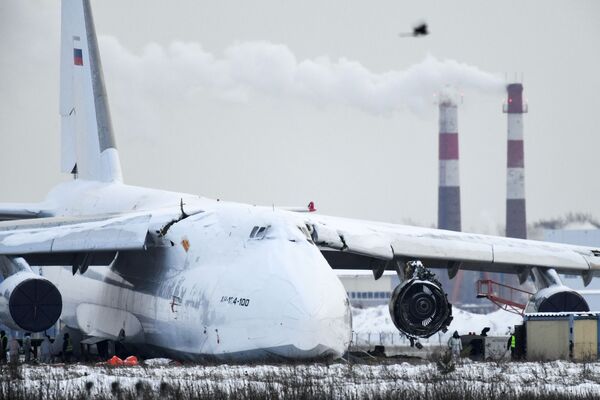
{"x":364,"y":291}
{"x":581,"y":237}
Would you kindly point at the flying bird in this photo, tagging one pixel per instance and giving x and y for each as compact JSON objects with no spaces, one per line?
{"x":418,"y":30}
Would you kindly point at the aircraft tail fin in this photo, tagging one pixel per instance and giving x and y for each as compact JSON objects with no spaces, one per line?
{"x":88,"y":145}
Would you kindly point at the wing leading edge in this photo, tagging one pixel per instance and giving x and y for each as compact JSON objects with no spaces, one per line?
{"x":358,"y":244}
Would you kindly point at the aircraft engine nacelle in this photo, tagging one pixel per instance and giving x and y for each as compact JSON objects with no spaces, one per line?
{"x":29,"y":302}
{"x":557,"y":298}
{"x":420,"y":308}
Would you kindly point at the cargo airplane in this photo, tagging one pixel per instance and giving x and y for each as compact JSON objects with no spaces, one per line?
{"x":180,"y":275}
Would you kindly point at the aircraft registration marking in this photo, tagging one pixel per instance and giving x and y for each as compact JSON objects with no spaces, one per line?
{"x":242,"y":302}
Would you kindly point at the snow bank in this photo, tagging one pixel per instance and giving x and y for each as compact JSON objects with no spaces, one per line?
{"x":155,"y":362}
{"x":377,"y":322}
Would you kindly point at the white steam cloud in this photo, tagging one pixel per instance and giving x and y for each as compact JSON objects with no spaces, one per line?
{"x":182,"y":69}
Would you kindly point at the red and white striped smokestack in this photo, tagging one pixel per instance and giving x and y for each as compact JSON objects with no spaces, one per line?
{"x":449,"y":187}
{"x":516,"y":222}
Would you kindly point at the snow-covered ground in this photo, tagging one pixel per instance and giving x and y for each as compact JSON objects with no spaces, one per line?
{"x":420,"y":379}
{"x":338,"y":380}
{"x":374,"y":324}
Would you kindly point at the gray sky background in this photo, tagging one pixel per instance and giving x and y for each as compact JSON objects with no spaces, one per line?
{"x":261,"y":141}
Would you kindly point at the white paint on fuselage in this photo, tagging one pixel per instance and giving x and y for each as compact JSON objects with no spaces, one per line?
{"x":285,"y":299}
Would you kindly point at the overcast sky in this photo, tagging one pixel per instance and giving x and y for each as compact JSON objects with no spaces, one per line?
{"x":274,"y":102}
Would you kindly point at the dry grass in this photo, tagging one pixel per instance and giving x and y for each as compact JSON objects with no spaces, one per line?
{"x":314,"y":381}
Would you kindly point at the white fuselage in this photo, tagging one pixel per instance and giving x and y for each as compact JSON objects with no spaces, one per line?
{"x":208,"y":289}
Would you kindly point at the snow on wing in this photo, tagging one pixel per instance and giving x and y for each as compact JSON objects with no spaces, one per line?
{"x":73,"y":234}
{"x":439,"y":248}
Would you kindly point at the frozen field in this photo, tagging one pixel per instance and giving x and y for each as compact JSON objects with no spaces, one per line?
{"x":423,"y":380}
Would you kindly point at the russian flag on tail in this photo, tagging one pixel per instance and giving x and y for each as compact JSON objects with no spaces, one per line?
{"x":77,"y":53}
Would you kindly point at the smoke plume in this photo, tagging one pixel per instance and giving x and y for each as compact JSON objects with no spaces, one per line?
{"x":263,"y":68}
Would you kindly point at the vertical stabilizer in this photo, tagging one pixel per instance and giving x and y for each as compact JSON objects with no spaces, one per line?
{"x":88,"y":144}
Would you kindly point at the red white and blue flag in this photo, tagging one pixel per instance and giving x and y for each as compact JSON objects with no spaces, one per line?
{"x":77,"y":53}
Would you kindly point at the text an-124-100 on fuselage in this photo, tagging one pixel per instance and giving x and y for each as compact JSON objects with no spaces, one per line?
{"x":173,"y":274}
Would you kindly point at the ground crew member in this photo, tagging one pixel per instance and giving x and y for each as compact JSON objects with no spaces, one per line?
{"x":45,"y":350}
{"x":14,"y":349}
{"x":512,"y":345}
{"x":67,"y":348}
{"x":27,"y":347}
{"x":3,"y":346}
{"x":455,"y":345}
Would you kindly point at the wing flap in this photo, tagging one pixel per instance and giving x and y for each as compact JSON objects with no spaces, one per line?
{"x":537,"y":254}
{"x":58,"y":235}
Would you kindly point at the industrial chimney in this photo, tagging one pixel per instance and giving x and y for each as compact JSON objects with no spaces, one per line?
{"x":449,"y":191}
{"x":449,"y":188}
{"x":516,"y":223}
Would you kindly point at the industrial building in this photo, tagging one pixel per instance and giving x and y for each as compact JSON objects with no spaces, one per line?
{"x":562,"y":336}
{"x":364,"y":291}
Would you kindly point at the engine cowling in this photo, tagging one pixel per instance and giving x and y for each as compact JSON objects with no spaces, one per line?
{"x":557,"y":298}
{"x":420,"y":308}
{"x":29,"y":302}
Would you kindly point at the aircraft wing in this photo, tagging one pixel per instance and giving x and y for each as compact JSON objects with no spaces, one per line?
{"x":10,"y":211}
{"x":74,"y":234}
{"x":356,"y":244}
